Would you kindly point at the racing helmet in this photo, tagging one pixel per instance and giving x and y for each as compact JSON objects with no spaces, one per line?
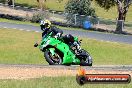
{"x":45,"y":24}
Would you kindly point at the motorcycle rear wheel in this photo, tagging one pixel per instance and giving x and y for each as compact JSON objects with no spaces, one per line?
{"x":88,"y":61}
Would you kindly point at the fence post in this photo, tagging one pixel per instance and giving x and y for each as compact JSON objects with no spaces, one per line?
{"x":13,"y":3}
{"x":53,"y":13}
{"x":98,"y":22}
{"x":75,"y":18}
{"x":83,"y":18}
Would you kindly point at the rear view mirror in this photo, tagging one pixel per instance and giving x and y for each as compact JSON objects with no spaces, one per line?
{"x":80,"y":40}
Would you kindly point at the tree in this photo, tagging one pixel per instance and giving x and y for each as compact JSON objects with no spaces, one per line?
{"x":75,"y":8}
{"x":41,"y":4}
{"x":81,"y":7}
{"x":122,"y":7}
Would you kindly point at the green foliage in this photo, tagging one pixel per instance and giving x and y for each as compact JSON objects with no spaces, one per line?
{"x":106,"y":4}
{"x":39,"y":16}
{"x":81,"y":7}
{"x":36,"y":18}
{"x":2,"y":1}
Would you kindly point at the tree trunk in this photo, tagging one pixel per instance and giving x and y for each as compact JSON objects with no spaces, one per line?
{"x":119,"y":26}
{"x":41,"y":4}
{"x":38,"y":1}
{"x":122,"y":11}
{"x":120,"y":20}
{"x":10,"y":2}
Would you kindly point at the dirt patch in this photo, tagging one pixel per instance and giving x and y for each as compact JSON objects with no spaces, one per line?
{"x":14,"y":12}
{"x":27,"y":73}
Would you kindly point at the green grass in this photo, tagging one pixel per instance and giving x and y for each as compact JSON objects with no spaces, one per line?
{"x":29,"y":3}
{"x":55,"y":82}
{"x":18,"y":22}
{"x":108,"y":53}
{"x":51,"y":4}
{"x":54,"y":5}
{"x":16,"y":47}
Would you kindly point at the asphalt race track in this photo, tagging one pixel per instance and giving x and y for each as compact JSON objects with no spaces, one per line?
{"x":74,"y":67}
{"x":127,"y":39}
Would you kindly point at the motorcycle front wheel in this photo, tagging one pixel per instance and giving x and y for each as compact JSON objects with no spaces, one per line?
{"x":88,"y":60}
{"x":52,"y":59}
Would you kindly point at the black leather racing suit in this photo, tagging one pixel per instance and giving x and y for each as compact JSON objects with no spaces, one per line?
{"x":53,"y":29}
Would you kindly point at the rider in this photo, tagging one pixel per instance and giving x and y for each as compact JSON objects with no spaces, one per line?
{"x":47,"y":28}
{"x":57,"y":33}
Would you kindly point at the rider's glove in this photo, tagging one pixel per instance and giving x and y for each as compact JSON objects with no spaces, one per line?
{"x":78,"y":46}
{"x":41,"y":22}
{"x":57,"y":35}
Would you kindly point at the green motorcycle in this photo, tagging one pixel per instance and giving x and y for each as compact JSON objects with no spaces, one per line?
{"x":56,"y":52}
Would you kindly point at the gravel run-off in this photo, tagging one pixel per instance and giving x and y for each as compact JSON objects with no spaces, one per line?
{"x":36,"y":72}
